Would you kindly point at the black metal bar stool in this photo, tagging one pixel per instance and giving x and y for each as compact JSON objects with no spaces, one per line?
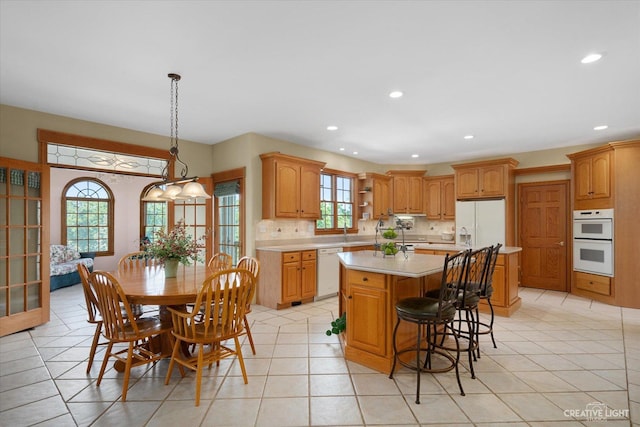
{"x":486,"y":291}
{"x":430,"y":314}
{"x":468,"y":300}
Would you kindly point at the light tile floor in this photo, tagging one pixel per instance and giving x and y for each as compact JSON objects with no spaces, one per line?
{"x":556,"y":357}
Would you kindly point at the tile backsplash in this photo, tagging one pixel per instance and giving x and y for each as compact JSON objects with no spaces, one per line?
{"x":284,"y":229}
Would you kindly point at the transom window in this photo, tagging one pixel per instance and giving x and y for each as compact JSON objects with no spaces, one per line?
{"x":87,"y":212}
{"x":336,"y":202}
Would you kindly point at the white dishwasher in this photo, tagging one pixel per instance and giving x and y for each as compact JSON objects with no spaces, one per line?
{"x":328,"y":272}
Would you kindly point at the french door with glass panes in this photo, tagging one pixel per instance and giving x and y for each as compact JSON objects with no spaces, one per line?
{"x":24,"y":245}
{"x":229,"y":214}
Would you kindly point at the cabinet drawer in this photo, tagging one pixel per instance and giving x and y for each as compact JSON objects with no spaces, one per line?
{"x":290,"y":256}
{"x":365,"y":278}
{"x":593,"y":283}
{"x":307,"y":255}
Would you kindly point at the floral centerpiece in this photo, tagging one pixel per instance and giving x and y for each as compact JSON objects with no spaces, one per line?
{"x":173,"y":247}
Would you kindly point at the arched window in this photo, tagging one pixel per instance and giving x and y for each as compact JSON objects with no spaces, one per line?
{"x":87,"y":216}
{"x":153,"y":216}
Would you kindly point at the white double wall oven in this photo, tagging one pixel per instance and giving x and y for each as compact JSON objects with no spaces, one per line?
{"x":593,"y":241}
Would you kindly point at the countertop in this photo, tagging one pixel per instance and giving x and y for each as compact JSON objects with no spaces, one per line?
{"x":416,"y":244}
{"x":415,"y":265}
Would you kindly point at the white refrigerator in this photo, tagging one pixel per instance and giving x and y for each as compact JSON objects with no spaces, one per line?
{"x":485,"y":222}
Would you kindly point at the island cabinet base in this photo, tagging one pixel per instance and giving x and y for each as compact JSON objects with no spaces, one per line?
{"x":369,"y":300}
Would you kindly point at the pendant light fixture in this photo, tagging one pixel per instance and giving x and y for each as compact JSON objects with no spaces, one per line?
{"x":182,"y":188}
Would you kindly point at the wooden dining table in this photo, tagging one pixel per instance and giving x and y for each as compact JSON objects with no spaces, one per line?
{"x":149,"y":286}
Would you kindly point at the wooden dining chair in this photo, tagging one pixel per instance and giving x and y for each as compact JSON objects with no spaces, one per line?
{"x":94,"y":318}
{"x":125,"y":329}
{"x":136,"y":260}
{"x":223,"y":298}
{"x":220,"y":261}
{"x":253,"y":265}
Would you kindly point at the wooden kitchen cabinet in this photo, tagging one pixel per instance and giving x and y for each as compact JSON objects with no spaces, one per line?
{"x":407,"y":191}
{"x":290,"y":187}
{"x":286,"y":278}
{"x":488,"y":179}
{"x":592,"y":180}
{"x":440,"y":197}
{"x":366,"y":311}
{"x":374,"y":195}
{"x":371,"y":317}
{"x":608,"y":177}
{"x":592,"y":283}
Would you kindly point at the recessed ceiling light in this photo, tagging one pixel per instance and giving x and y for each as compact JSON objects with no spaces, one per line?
{"x":468,"y":137}
{"x":355,"y":153}
{"x":332,"y":127}
{"x":601,"y":127}
{"x":415,"y":155}
{"x":395,"y":94}
{"x":341,"y":148}
{"x":592,"y":57}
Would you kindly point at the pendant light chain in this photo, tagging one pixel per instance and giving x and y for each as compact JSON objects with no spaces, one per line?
{"x":184,"y":188}
{"x":175,"y":78}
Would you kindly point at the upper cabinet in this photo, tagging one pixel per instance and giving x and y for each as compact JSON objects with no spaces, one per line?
{"x":592,"y":179}
{"x":374,"y":195}
{"x":290,"y":187}
{"x":440,"y":197}
{"x":407,"y":191}
{"x":484,"y":180}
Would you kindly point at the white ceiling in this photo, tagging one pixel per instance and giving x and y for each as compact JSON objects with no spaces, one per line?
{"x":507,"y":72}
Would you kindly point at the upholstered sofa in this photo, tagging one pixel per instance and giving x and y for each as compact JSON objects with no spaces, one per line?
{"x":64,"y":266}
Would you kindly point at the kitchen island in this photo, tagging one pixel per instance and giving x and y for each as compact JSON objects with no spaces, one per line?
{"x":370,"y":285}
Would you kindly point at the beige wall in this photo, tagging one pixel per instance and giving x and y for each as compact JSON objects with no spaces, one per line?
{"x":18,"y":139}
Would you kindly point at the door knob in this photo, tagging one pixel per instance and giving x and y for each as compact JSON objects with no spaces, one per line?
{"x":560,"y":243}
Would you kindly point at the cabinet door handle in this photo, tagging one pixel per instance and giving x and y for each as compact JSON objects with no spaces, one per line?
{"x":364,"y":279}
{"x":560,"y":243}
{"x":349,"y":297}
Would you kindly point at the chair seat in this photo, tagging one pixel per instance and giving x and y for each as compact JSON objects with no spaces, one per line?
{"x":200,"y":335}
{"x":470,"y":300}
{"x":422,"y":308}
{"x":147,"y":326}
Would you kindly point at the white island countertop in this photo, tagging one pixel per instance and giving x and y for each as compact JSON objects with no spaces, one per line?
{"x":415,"y":265}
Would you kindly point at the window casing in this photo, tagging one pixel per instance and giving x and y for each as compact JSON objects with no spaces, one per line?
{"x":336,"y":202}
{"x":87,"y":216}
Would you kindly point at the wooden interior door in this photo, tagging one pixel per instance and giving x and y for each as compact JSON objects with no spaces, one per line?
{"x":543,"y":220}
{"x":24,"y":245}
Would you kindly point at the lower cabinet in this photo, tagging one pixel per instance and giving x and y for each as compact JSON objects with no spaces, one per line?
{"x":286,"y":278}
{"x":369,"y":301}
{"x":592,"y":283}
{"x":366,"y":305}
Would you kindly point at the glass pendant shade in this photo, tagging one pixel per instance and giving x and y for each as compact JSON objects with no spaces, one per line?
{"x":193,"y":190}
{"x":154,"y":195}
{"x":171,"y":192}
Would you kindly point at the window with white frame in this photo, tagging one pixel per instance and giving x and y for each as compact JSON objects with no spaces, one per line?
{"x":336,"y":202}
